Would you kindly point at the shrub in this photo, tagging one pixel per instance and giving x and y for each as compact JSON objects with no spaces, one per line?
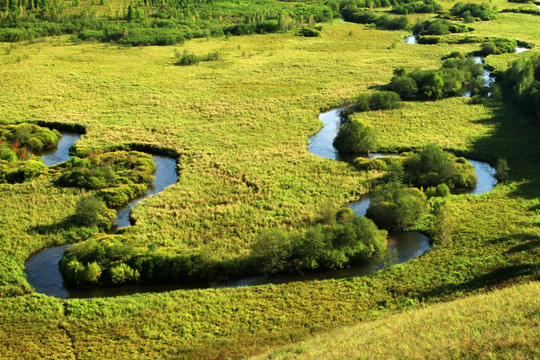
{"x":478,"y":11}
{"x":395,"y":207}
{"x":503,"y":170}
{"x":92,"y":212}
{"x":354,"y":138}
{"x":188,"y":59}
{"x":272,"y":250}
{"x":385,"y":100}
{"x":307,"y":32}
{"x":365,"y":164}
{"x":26,"y":170}
{"x":432,"y":166}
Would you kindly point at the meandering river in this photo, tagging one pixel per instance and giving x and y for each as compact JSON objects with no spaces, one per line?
{"x":43,"y":271}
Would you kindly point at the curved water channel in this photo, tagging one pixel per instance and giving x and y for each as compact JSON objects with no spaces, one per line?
{"x":42,"y":268}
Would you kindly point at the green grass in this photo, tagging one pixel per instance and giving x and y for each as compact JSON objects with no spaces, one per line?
{"x":248,"y":117}
{"x":504,"y":324}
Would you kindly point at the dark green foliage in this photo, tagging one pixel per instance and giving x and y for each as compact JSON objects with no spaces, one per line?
{"x":520,"y":85}
{"x":188,"y":59}
{"x":439,"y":27}
{"x":108,"y":259}
{"x":474,"y":11}
{"x":157,"y":23}
{"x":441,"y":190}
{"x":34,"y":137}
{"x":91,"y":211}
{"x":307,"y":32}
{"x":432,"y":167}
{"x":334,"y":246}
{"x":119,"y":176}
{"x":498,"y":46}
{"x":395,"y":207}
{"x":21,"y":171}
{"x":385,"y":22}
{"x":417,"y":7}
{"x":354,"y":138}
{"x":345,"y":215}
{"x":503,"y":170}
{"x":385,"y":100}
{"x":522,"y":11}
{"x":192,"y":59}
{"x":456,"y":74}
{"x":382,"y":100}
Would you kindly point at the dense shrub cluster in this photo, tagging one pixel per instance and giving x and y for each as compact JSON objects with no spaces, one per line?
{"x":354,"y":137}
{"x":439,"y":27}
{"x":307,"y":32}
{"x":520,"y":85}
{"x":155,"y":23}
{"x":192,"y":59}
{"x":17,"y":144}
{"x":92,"y":211}
{"x":470,"y":11}
{"x":34,"y":137}
{"x":395,"y":207}
{"x":320,"y":247}
{"x":119,"y":176}
{"x":456,"y":74}
{"x":385,"y":22}
{"x":381,"y":100}
{"x":522,"y":11}
{"x":498,"y":46}
{"x":432,"y":166}
{"x":417,"y":7}
{"x":115,"y":260}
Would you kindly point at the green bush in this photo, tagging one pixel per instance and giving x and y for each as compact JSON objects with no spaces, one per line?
{"x":395,"y":207}
{"x":26,"y":170}
{"x":93,"y":212}
{"x":354,"y":138}
{"x":365,"y":164}
{"x":432,"y":166}
{"x":35,"y":137}
{"x":385,"y":100}
{"x":498,"y":46}
{"x":188,"y":59}
{"x":470,"y":10}
{"x":307,"y":32}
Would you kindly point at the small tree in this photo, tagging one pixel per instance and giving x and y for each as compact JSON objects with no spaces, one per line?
{"x":503,"y":170}
{"x":272,"y":251}
{"x":92,"y":211}
{"x":355,"y":138}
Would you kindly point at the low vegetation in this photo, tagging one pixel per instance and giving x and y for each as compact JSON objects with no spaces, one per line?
{"x":240,"y":127}
{"x":472,"y":11}
{"x":520,"y":85}
{"x":19,"y":145}
{"x":119,"y":176}
{"x":456,"y":74}
{"x":501,"y":324}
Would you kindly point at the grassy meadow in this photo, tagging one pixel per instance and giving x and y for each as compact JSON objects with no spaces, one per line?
{"x":246,"y":119}
{"x":497,"y":324}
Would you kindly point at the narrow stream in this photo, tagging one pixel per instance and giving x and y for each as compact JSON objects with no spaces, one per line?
{"x":43,"y":271}
{"x":42,"y":268}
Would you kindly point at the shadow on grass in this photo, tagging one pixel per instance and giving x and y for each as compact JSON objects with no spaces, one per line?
{"x":500,"y":277}
{"x":61,"y":226}
{"x":514,"y":138}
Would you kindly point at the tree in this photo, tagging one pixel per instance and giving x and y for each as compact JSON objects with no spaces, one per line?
{"x":503,"y":170}
{"x":91,"y":211}
{"x":272,"y":250}
{"x":355,"y":138}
